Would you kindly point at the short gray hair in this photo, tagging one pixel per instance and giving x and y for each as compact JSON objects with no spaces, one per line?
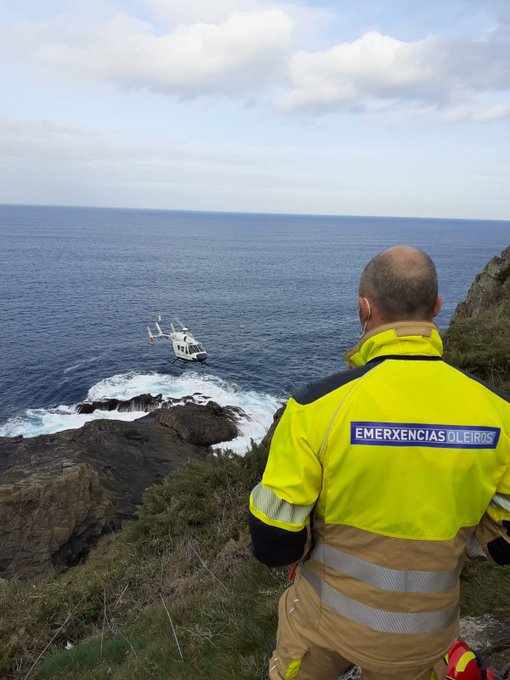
{"x":403,"y":284}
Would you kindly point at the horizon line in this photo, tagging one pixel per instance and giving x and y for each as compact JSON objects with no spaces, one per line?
{"x":247,"y":212}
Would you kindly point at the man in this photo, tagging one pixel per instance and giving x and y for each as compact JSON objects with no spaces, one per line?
{"x":377,"y":479}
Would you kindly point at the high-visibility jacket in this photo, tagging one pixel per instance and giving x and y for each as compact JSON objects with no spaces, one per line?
{"x":394,"y":465}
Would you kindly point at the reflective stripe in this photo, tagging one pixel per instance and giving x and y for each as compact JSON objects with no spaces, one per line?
{"x":379,"y":619}
{"x":273,"y":507}
{"x":501,"y":500}
{"x":462,"y":663}
{"x":394,"y":580}
{"x":499,"y":508}
{"x":293,"y":668}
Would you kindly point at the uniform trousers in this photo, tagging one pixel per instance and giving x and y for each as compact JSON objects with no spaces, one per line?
{"x":301,"y":655}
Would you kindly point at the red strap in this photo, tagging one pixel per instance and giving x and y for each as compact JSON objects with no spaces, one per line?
{"x":292,"y":571}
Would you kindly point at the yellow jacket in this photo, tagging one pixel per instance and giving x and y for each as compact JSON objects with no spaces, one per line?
{"x":396,"y":462}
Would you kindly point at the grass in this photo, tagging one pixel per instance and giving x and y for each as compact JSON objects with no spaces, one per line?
{"x":481,"y":345}
{"x":485,"y":588}
{"x":175,"y":594}
{"x":223,"y":633}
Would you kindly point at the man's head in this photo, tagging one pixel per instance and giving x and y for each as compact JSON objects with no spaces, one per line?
{"x":399,"y":284}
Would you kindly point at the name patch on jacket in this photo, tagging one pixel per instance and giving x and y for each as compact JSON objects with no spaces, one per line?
{"x":416,"y":434}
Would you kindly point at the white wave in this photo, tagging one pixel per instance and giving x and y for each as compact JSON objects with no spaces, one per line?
{"x":47,"y":421}
{"x":85,"y":362}
{"x":258,"y":407}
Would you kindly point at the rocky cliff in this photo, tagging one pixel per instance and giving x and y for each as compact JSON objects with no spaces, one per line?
{"x":59,"y":493}
{"x":489,"y":289}
{"x":478,"y":340}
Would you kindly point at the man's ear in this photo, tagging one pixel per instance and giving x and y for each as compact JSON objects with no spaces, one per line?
{"x":439,"y":303}
{"x":364,"y":307}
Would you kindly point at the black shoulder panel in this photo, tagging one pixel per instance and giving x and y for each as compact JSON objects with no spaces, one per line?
{"x":490,"y":387}
{"x":407,"y":357}
{"x":319,"y":389}
{"x":274,"y":546}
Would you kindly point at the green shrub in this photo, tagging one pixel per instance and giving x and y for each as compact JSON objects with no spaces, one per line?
{"x":481,"y":346}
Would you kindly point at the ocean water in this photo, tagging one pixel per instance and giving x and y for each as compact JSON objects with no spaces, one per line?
{"x":272,"y":298}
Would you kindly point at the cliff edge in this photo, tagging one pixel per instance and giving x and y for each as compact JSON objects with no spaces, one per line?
{"x":478,"y":339}
{"x":59,"y":493}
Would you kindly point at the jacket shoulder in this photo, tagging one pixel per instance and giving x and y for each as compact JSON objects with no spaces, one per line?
{"x":320,"y":388}
{"x":488,"y":386}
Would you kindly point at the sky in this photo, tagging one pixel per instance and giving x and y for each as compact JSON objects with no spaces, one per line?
{"x":380,"y":107}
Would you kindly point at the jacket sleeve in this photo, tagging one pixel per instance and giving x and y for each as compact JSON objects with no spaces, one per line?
{"x":280,"y":506}
{"x":493,"y":532}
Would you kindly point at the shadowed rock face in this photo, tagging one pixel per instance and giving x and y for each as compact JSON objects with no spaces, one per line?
{"x":60,"y":492}
{"x":276,"y":419}
{"x":477,"y":340}
{"x":491,"y":286}
{"x":200,"y":425}
{"x":143,"y":402}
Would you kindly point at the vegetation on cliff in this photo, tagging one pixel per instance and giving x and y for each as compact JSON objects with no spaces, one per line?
{"x":175,"y":594}
{"x":481,"y":344}
{"x":478,"y":339}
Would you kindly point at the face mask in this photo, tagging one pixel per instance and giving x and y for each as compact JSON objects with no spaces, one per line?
{"x":364,"y":325}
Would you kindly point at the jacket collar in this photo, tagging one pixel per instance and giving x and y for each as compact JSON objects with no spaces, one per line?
{"x":411,"y":338}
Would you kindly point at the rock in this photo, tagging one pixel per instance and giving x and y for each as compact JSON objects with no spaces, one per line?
{"x":60,"y":492}
{"x":143,"y":402}
{"x":491,"y":286}
{"x":476,"y":340}
{"x":200,"y":425}
{"x":51,"y":516}
{"x":276,"y":419}
{"x":489,"y":637}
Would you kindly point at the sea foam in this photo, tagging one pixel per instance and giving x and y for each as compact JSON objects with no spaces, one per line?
{"x":258,"y":407}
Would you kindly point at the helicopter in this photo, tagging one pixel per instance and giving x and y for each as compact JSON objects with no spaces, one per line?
{"x":185,"y":346}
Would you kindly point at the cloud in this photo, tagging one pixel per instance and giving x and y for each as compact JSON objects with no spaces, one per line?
{"x":378,"y":73}
{"x":29,"y":143}
{"x":248,"y":49}
{"x":174,"y":12}
{"x":307,"y":19}
{"x":239,"y":54}
{"x":374,"y":66}
{"x":51,"y":163}
{"x":34,"y":151}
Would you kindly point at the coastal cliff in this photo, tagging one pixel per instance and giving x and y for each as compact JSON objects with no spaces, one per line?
{"x":478,"y":338}
{"x":175,"y":593}
{"x":59,"y":493}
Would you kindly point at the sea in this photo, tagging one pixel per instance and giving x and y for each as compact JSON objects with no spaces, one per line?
{"x":273,"y":298}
